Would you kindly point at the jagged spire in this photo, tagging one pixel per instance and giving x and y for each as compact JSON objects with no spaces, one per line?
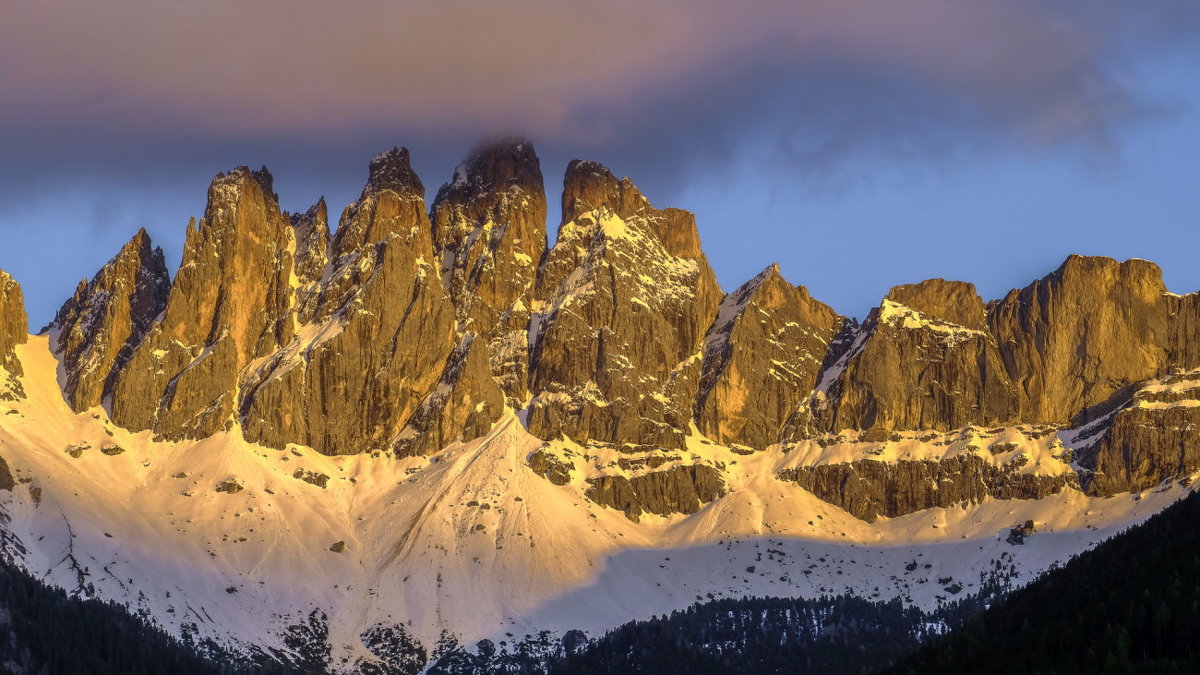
{"x":391,"y":170}
{"x":97,"y":329}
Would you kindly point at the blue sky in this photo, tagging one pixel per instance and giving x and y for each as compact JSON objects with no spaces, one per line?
{"x":859,"y":146}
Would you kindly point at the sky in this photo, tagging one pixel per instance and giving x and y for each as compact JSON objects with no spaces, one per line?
{"x":858,"y":144}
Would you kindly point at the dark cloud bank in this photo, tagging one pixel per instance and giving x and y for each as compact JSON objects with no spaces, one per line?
{"x":147,"y":100}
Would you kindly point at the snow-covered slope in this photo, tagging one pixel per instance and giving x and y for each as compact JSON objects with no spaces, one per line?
{"x":228,"y":540}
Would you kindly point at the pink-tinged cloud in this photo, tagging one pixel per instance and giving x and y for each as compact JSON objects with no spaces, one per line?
{"x":568,"y":70}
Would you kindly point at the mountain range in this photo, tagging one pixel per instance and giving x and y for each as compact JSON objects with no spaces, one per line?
{"x":364,"y":447}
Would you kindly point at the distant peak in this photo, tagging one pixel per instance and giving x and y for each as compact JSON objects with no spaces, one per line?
{"x":138,"y":247}
{"x":141,"y":239}
{"x":954,"y":301}
{"x":238,"y":176}
{"x":392,"y":170}
{"x":583,"y":167}
{"x":497,"y":164}
{"x":1088,"y":271}
{"x":318,"y":209}
{"x":588,"y":185}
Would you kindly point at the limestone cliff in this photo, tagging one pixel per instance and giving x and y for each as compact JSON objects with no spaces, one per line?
{"x":97,"y":330}
{"x":1074,"y":338}
{"x":761,"y":360}
{"x":924,"y":359}
{"x":1151,"y":438}
{"x":489,"y":234}
{"x":680,"y":489}
{"x":229,"y":304}
{"x":375,"y":340}
{"x":625,"y":298}
{"x":869,"y":488}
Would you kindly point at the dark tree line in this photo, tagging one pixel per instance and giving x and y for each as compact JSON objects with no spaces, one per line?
{"x":43,"y":630}
{"x":1131,"y":605}
{"x":758,"y":635}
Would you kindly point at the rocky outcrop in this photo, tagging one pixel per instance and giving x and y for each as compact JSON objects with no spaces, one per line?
{"x":95,"y":332}
{"x":1074,"y":338}
{"x":681,"y":489}
{"x":489,"y":233}
{"x":229,"y":304}
{"x":311,"y":232}
{"x":376,"y":363}
{"x":1153,"y":437}
{"x":14,"y":330}
{"x":924,"y":359}
{"x":868,"y":489}
{"x":392,"y":202}
{"x":761,"y":360}
{"x":624,"y":299}
{"x":551,"y":467}
{"x":464,"y":404}
{"x":1183,"y":330}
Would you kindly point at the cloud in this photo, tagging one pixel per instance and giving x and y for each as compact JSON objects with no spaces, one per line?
{"x":141,"y":88}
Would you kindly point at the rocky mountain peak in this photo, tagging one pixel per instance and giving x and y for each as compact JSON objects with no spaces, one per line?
{"x":622,"y":317}
{"x":96,"y":331}
{"x":312,"y":241}
{"x":226,"y":187}
{"x":1141,"y":276}
{"x":762,"y":357}
{"x":1077,"y":336}
{"x":955,"y":302}
{"x":496,"y":166}
{"x":379,"y":307}
{"x":391,"y":170}
{"x":489,"y":232}
{"x":392,"y":203}
{"x":923,"y":359}
{"x":589,"y":185}
{"x":229,"y":303}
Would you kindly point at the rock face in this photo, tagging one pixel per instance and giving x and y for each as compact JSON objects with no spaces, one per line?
{"x":97,"y":330}
{"x":550,"y":467}
{"x":624,"y":299}
{"x":489,"y":233}
{"x":382,"y":312}
{"x":14,"y":330}
{"x":407,"y":330}
{"x":681,"y":489}
{"x":868,"y":488}
{"x":344,"y":346}
{"x":311,"y":231}
{"x":924,"y":359}
{"x":463,"y":405}
{"x":1076,"y":337}
{"x":1153,"y":437}
{"x":229,"y":305}
{"x":761,"y":360}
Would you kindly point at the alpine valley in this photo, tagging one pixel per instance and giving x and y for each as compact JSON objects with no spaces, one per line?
{"x":427,"y":436}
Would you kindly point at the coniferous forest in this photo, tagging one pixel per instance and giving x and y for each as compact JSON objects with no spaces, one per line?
{"x":1131,"y":605}
{"x":43,"y":630}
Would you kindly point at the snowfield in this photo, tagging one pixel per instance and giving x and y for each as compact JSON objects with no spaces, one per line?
{"x":471,"y":542}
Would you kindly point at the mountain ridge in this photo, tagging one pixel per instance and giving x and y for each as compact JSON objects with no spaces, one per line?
{"x":378,"y":396}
